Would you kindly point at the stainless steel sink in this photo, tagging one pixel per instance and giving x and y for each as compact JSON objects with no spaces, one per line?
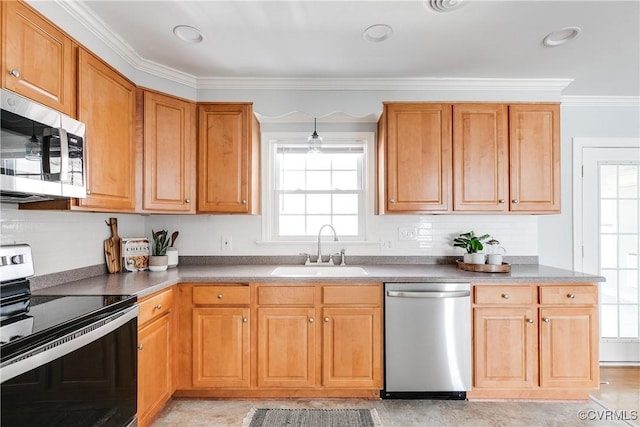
{"x":319,"y":271}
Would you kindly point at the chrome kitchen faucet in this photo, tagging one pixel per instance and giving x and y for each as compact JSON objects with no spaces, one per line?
{"x":335,"y":239}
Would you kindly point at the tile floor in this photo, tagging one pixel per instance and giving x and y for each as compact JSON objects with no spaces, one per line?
{"x":621,"y":394}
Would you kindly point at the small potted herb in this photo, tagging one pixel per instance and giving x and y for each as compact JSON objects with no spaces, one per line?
{"x":158,"y":261}
{"x":473,"y":245}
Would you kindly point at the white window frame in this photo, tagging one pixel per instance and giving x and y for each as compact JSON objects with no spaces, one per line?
{"x":268,"y":163}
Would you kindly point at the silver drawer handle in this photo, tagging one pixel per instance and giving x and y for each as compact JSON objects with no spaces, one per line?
{"x":530,"y":320}
{"x":433,"y":294}
{"x":572,"y":296}
{"x":158,"y":307}
{"x":546,"y":320}
{"x":14,"y":73}
{"x":505,"y":296}
{"x":219,"y":296}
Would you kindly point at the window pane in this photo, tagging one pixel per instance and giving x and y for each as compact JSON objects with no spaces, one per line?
{"x":609,"y":326}
{"x":345,"y":203}
{"x":291,"y":225}
{"x":628,"y":180}
{"x":346,"y":161}
{"x":608,"y":181}
{"x":608,"y":216}
{"x":318,"y":204}
{"x":628,"y":321}
{"x":346,"y":225}
{"x":629,"y":286}
{"x":292,"y":204}
{"x":293,"y":181}
{"x":314,"y":222}
{"x":628,"y":256}
{"x":608,"y":251}
{"x":321,"y":161}
{"x":317,"y":180}
{"x":345,"y":180}
{"x":293,"y":161}
{"x":628,"y":216}
{"x":609,"y":289}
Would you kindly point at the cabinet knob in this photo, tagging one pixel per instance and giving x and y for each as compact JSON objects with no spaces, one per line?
{"x":219,"y":296}
{"x":515,"y":201}
{"x":310,"y":319}
{"x":187,"y":201}
{"x":244,"y":202}
{"x":392,"y":201}
{"x":529,"y":320}
{"x":501,"y":201}
{"x":546,"y":320}
{"x":14,"y":73}
{"x":505,"y":296}
{"x":158,"y":306}
{"x":572,"y":296}
{"x":88,"y":192}
{"x":326,"y":320}
{"x":245,"y":320}
{"x":140,"y":346}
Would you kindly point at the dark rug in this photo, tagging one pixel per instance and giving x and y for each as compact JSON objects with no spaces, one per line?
{"x":313,"y":418}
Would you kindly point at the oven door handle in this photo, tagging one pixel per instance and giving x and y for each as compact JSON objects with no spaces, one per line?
{"x":64,"y":155}
{"x":64,"y":345}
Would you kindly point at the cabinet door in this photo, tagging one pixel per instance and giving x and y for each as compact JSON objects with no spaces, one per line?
{"x":154,"y":368}
{"x":351,"y":347}
{"x":221,"y":353}
{"x":169,"y":154}
{"x":228,"y":164}
{"x":505,"y":347}
{"x":106,"y":103}
{"x":569,"y":347}
{"x":418,"y":157}
{"x":39,"y":59}
{"x":534,"y":146}
{"x":480,"y":158}
{"x":286,"y":347}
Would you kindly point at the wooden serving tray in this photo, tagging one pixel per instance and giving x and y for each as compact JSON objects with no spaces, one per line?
{"x":485,"y":268}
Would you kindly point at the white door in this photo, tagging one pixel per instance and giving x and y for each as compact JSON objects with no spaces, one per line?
{"x":610,"y":240}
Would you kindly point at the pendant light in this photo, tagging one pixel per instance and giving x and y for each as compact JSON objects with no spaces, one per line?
{"x":314,"y":141}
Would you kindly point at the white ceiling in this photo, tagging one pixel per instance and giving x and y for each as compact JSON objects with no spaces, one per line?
{"x":323,"y":39}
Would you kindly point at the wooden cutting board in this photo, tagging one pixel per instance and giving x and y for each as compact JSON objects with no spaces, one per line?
{"x":112,"y":248}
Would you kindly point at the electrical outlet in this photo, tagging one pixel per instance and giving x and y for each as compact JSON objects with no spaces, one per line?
{"x":407,"y":233}
{"x":385,"y":244}
{"x":227,"y":243}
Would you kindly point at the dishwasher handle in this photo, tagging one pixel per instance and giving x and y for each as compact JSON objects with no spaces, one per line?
{"x":428,"y":294}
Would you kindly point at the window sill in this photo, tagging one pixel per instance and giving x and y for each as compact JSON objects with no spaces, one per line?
{"x":315,"y":242}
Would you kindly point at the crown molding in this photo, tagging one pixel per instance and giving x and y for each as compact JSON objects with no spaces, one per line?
{"x":600,"y":101}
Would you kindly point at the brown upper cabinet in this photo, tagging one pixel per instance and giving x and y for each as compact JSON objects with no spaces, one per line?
{"x":414,"y":155}
{"x":169,"y":147}
{"x":503,"y":158}
{"x":30,"y":45}
{"x":106,"y":103}
{"x":228,"y":158}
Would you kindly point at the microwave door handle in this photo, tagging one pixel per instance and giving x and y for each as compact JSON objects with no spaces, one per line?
{"x":64,"y":155}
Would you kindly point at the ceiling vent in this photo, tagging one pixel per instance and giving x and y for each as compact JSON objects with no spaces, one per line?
{"x":442,"y":6}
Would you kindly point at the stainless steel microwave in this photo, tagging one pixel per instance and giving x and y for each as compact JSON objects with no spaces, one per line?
{"x":42,"y":152}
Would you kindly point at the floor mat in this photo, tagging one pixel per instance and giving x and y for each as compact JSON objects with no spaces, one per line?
{"x":312,"y":418}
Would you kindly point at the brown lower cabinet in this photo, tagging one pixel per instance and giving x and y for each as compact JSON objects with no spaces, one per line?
{"x":155,"y":355}
{"x":535,"y":341}
{"x":279,"y":340}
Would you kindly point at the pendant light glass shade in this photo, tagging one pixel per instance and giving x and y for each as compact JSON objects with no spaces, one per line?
{"x":314,"y":141}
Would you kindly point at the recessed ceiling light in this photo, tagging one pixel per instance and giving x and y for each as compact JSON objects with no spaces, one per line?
{"x":443,"y":5}
{"x":188,"y":34}
{"x":562,"y":36}
{"x":377,"y":33}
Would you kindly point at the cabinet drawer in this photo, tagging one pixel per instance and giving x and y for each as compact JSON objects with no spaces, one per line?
{"x":221,"y":295}
{"x":155,"y":306}
{"x":352,"y":295}
{"x":286,"y":295}
{"x":503,"y":295}
{"x":569,"y":295}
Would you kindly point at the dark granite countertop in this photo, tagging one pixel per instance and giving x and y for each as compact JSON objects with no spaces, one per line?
{"x":146,"y":283}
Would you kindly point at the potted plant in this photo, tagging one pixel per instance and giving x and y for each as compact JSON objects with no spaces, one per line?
{"x":473,"y":245}
{"x":158,"y":261}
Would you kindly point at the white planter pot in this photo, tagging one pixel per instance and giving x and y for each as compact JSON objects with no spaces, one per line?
{"x":158,"y":262}
{"x":475,"y":258}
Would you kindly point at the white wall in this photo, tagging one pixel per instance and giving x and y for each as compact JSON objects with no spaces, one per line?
{"x":555,"y":241}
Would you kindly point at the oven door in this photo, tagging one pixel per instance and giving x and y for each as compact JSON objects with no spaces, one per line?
{"x":85,"y":378}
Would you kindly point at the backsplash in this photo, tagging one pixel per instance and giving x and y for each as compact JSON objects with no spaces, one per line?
{"x":68,"y":240}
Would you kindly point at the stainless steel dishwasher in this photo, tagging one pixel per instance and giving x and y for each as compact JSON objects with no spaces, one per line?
{"x":427,"y":340}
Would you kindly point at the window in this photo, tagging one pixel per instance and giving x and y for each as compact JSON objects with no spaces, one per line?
{"x":306,"y":191}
